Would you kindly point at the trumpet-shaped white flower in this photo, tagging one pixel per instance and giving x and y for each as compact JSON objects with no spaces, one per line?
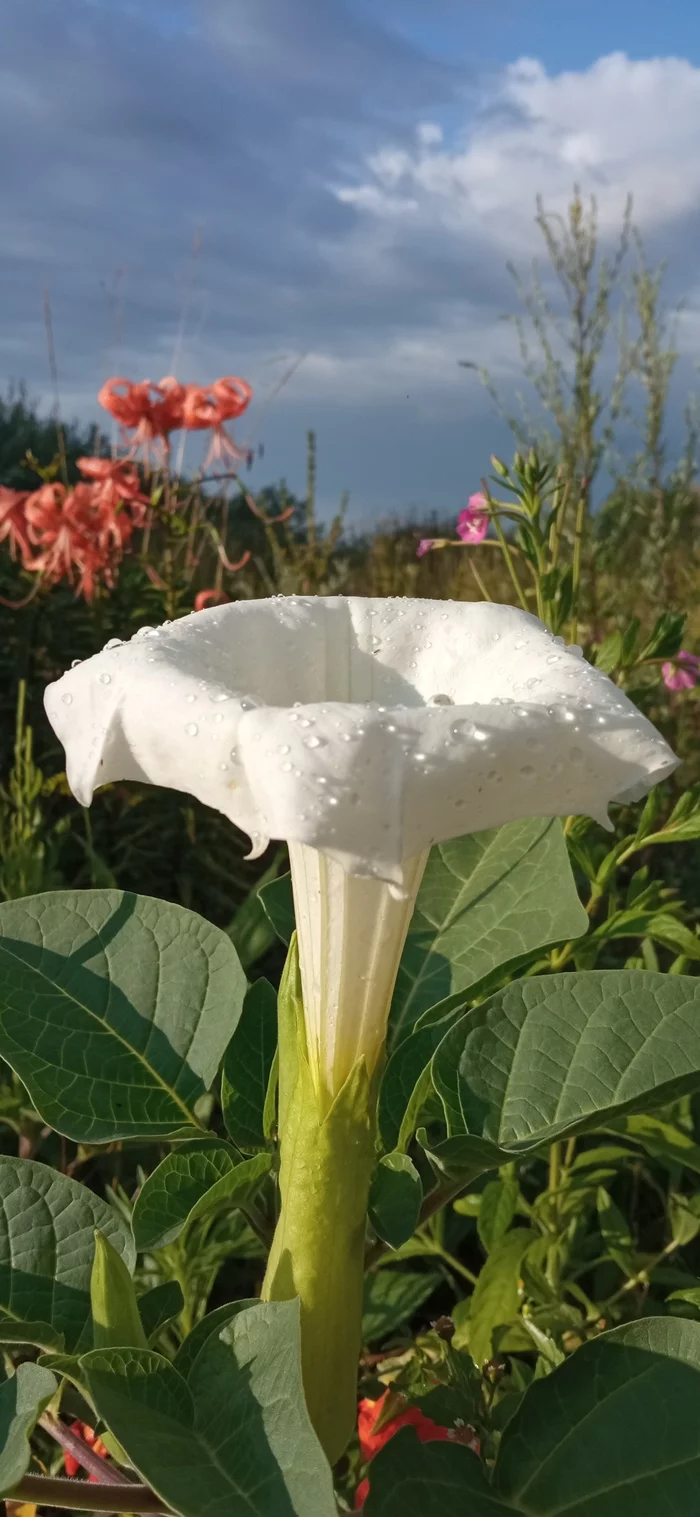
{"x":361,"y":731}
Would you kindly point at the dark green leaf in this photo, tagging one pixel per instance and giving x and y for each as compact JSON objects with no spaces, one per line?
{"x":158,"y":1306}
{"x":395,"y":1199}
{"x":278,"y":901}
{"x":251,"y":930}
{"x":47,"y":1245}
{"x":234,"y":1438}
{"x":190,"y":1182}
{"x":412,"y":1479}
{"x":247,"y":1064}
{"x":498,"y":1202}
{"x":23,"y":1398}
{"x":484,"y":900}
{"x":115,"y":1010}
{"x":559,"y":1054}
{"x":496,"y":1295}
{"x":615,"y":1430}
{"x":392,"y":1297}
{"x":401,"y":1092}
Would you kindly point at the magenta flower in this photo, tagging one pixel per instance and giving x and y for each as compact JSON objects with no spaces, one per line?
{"x":683,"y":672}
{"x":473,"y":521}
{"x":424,"y":546}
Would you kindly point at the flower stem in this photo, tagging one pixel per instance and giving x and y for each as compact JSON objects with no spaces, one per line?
{"x":81,"y":1496}
{"x":327,"y":1154}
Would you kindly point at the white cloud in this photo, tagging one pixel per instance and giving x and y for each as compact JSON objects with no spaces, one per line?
{"x":620,"y":126}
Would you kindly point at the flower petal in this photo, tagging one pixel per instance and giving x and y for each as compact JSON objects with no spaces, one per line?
{"x":365,"y":728}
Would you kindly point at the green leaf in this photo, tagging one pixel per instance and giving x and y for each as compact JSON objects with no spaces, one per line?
{"x":209,"y":1325}
{"x":23,"y":1398}
{"x":395,"y":1199}
{"x":115,"y":1010}
{"x":615,"y":1231}
{"x":233,"y":1439}
{"x":158,"y":1306}
{"x":560,"y":1054}
{"x":115,"y":1315}
{"x":412,"y":1479}
{"x":391,"y":1298}
{"x":496,"y":1296}
{"x":498,"y":1202}
{"x":484,"y":900}
{"x":47,"y":1245}
{"x":404,"y":1083}
{"x":615,"y":1430}
{"x":247,"y":1065}
{"x":189,"y":1183}
{"x":278,"y":902}
{"x":251,"y":930}
{"x":662,"y":1140}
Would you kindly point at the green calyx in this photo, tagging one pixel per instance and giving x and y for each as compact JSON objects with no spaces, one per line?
{"x":326,"y":1162}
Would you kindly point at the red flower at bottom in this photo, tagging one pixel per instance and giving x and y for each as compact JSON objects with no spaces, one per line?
{"x":369,"y":1413}
{"x":89,"y":1436}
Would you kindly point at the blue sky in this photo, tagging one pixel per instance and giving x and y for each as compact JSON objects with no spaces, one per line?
{"x":358,"y":174}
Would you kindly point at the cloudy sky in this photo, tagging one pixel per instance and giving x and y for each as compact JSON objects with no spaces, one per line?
{"x":355,"y":175}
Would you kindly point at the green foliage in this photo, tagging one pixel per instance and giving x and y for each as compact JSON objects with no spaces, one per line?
{"x":150,"y":992}
{"x":247,"y":1068}
{"x":176,"y":1427}
{"x":190,"y":1183}
{"x":23,"y":1398}
{"x":47,"y":1248}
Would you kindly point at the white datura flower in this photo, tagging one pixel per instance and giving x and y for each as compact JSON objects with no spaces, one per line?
{"x":361,"y":731}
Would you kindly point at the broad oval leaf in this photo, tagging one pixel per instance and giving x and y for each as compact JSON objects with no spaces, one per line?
{"x":391,"y":1298}
{"x":484,"y":900}
{"x":562,"y":1053}
{"x":614,"y":1430}
{"x":395,"y":1199}
{"x":115,"y":1010}
{"x":189,"y":1183}
{"x":496,"y":1296}
{"x":412,"y":1479}
{"x":47,"y":1247}
{"x":247,"y":1066}
{"x":233,"y":1439}
{"x":23,"y":1398}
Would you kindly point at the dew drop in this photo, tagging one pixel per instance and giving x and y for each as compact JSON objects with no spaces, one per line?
{"x":553,"y":658}
{"x":105,"y":679}
{"x":420,"y":758}
{"x":285,"y":748}
{"x":75,"y":662}
{"x":219,"y":695}
{"x":190,"y":699}
{"x":67,"y":699}
{"x":114,"y":642}
{"x":479,"y":736}
{"x":440,"y":700}
{"x":286,"y":768}
{"x":219,"y":716}
{"x":313,"y":741}
{"x":191,"y":729}
{"x":332,"y":800}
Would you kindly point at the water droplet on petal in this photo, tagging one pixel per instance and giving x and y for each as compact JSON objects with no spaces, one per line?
{"x":67,"y":699}
{"x":191,"y":729}
{"x":285,"y":748}
{"x":287,"y":768}
{"x":219,"y":695}
{"x":105,"y":679}
{"x":190,"y":699}
{"x":75,"y":662}
{"x":440,"y":700}
{"x":114,"y":642}
{"x":313,"y":741}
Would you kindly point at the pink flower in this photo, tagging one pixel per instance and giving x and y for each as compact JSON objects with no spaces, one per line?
{"x":473,"y":521}
{"x":683,"y":672}
{"x":424,"y":546}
